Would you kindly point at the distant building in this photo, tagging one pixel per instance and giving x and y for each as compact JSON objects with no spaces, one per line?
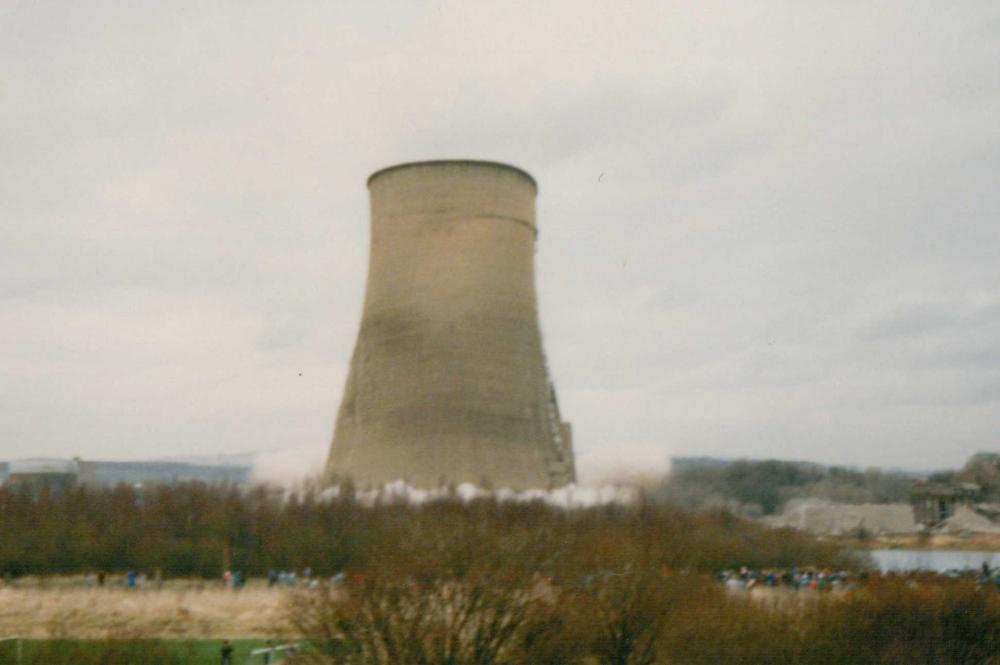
{"x":933,"y":503}
{"x":63,"y":473}
{"x":820,"y":516}
{"x":52,"y":473}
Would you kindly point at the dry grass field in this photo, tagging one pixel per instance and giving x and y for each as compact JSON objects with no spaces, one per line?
{"x":980,"y":542}
{"x":175,"y":611}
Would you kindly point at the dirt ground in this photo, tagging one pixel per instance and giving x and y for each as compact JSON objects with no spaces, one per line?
{"x":983,"y":542}
{"x":174,"y":611}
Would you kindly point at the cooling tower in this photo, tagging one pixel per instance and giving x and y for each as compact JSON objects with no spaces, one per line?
{"x":448,"y":381}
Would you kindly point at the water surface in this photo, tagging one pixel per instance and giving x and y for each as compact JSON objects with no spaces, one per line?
{"x":937,"y":561}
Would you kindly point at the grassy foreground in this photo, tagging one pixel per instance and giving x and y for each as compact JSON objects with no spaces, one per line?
{"x":489,"y":583}
{"x":132,"y":651}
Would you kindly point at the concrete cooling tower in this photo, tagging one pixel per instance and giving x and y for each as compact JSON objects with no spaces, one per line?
{"x":448,"y":382}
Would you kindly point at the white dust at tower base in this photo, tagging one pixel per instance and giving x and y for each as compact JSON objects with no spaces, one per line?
{"x":448,"y":382}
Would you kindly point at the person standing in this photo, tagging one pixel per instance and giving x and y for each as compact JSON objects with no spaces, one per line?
{"x":226,"y":652}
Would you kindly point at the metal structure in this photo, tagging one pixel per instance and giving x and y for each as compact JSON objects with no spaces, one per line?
{"x":37,"y":473}
{"x":18,"y":648}
{"x":272,"y":654}
{"x":448,"y":382}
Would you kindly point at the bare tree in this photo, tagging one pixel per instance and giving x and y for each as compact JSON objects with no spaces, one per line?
{"x":440,"y":604}
{"x":483,"y":617}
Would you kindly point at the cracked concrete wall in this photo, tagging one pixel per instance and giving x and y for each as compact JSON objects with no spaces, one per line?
{"x":448,"y":381}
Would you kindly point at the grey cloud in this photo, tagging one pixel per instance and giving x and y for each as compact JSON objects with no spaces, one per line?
{"x":914,"y":322}
{"x":560,"y":129}
{"x":765,"y":230}
{"x":946,"y":389}
{"x":965,"y":342}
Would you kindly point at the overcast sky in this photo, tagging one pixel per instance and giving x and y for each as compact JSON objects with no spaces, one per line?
{"x":767,"y":229}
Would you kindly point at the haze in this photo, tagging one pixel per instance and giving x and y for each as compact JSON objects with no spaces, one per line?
{"x":766,"y":229}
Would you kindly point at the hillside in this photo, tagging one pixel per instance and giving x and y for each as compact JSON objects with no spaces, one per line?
{"x":761,"y":487}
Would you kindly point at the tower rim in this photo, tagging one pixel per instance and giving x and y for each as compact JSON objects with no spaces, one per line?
{"x":454,"y":162}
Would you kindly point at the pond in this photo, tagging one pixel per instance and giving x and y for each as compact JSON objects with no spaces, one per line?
{"x":937,"y":561}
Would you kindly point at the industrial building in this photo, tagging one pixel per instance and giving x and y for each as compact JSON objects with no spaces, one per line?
{"x":448,"y":382}
{"x":56,"y":474}
{"x":933,"y":503}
